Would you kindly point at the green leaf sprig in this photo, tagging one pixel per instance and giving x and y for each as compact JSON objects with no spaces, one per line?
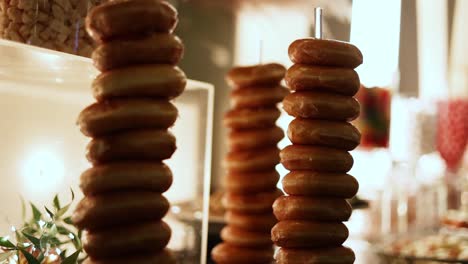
{"x":45,"y":233}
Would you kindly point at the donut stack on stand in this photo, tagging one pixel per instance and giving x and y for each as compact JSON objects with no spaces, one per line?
{"x":253,"y":154}
{"x":123,"y":205}
{"x":323,"y":81}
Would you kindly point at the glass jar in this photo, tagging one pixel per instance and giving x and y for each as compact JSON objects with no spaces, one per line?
{"x":432,"y":193}
{"x":398,"y":200}
{"x":53,"y":24}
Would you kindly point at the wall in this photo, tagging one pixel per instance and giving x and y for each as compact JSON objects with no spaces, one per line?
{"x":208,"y":34}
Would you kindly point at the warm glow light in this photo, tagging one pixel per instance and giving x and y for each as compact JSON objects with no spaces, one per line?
{"x":42,"y":172}
{"x":273,"y":27}
{"x":432,"y":48}
{"x":375,"y":29}
{"x":184,"y":186}
{"x":403,"y":142}
{"x":430,"y":168}
{"x":458,"y":68}
{"x":370,"y":169}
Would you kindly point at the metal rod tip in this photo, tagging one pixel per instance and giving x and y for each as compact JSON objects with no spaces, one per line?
{"x":318,"y":22}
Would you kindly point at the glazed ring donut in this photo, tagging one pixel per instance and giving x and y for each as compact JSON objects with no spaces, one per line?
{"x":245,"y":238}
{"x":257,"y":96}
{"x":105,"y":21}
{"x":321,"y":106}
{"x":144,"y":176}
{"x":251,"y":118}
{"x":228,"y":254}
{"x":310,"y":183}
{"x":94,"y":212}
{"x":251,"y":222}
{"x":248,"y":182}
{"x":325,"y":53}
{"x":337,"y":255}
{"x":255,"y":160}
{"x":340,"y":135}
{"x":150,"y":80}
{"x":306,"y":234}
{"x":133,"y":145}
{"x":320,"y":159}
{"x":257,"y":75}
{"x":254,"y":138}
{"x":157,"y":48}
{"x":255,"y":203}
{"x":164,"y":256}
{"x":311,"y":208}
{"x":326,"y":79}
{"x":117,"y":115}
{"x":141,"y":238}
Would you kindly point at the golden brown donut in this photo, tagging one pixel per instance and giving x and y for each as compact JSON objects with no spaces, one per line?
{"x":254,"y":138}
{"x":164,"y":257}
{"x":133,"y":145}
{"x":341,"y":135}
{"x":257,"y":96}
{"x":141,"y":238}
{"x":113,"y":209}
{"x":252,"y":222}
{"x":245,"y":238}
{"x":326,"y":79}
{"x":117,"y":115}
{"x":248,"y":182}
{"x":251,"y":118}
{"x":157,"y":48}
{"x":105,"y":21}
{"x":307,"y":234}
{"x":337,"y":255}
{"x":252,"y":160}
{"x":257,"y":75}
{"x":316,"y":105}
{"x":311,"y":208}
{"x":325,"y":52}
{"x":311,"y":183}
{"x":112,"y":177}
{"x":255,"y":203}
{"x":320,"y":159}
{"x":149,"y":80}
{"x":228,"y":254}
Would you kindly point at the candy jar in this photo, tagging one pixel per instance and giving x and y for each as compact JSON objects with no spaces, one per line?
{"x":374,"y":121}
{"x":398,"y":200}
{"x":452,"y":139}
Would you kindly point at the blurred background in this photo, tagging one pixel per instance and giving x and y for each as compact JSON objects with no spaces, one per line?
{"x":412,"y":164}
{"x":414,"y":122}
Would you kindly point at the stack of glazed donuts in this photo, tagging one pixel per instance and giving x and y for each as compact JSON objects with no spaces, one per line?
{"x":123,"y":205}
{"x":253,"y":154}
{"x":323,"y":81}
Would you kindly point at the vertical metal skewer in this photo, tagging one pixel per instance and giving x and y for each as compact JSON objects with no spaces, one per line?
{"x":318,"y":22}
{"x":260,"y":51}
